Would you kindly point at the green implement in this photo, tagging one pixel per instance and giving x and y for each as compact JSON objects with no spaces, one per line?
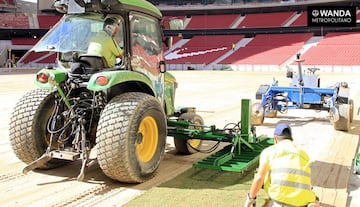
{"x":242,"y":152}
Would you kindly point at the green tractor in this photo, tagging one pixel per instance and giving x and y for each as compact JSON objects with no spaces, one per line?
{"x":122,"y":113}
{"x":119,"y":112}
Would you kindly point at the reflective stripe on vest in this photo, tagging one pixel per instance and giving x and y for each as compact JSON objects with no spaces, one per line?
{"x":291,"y":184}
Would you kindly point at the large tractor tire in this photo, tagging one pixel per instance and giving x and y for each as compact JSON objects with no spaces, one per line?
{"x":28,"y":127}
{"x":343,"y":123}
{"x":131,"y":137}
{"x":257,"y":114}
{"x":189,"y":146}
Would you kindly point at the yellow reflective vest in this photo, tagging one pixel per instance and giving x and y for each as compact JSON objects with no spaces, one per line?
{"x":289,"y":178}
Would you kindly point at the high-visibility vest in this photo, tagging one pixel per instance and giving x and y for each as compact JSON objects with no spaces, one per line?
{"x":289,"y":177}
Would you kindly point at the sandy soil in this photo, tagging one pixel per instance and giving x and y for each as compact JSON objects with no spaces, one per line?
{"x":217,"y":97}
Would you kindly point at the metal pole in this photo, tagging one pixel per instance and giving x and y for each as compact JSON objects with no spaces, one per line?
{"x":301,"y":81}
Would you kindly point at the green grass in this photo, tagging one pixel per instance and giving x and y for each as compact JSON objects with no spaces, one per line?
{"x":200,"y":188}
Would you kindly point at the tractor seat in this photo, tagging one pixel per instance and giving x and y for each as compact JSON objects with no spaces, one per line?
{"x":93,"y":61}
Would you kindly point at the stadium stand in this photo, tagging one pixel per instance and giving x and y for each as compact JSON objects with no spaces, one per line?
{"x":203,"y":49}
{"x":341,"y":48}
{"x":47,"y":21}
{"x":301,"y":20}
{"x":31,"y":56}
{"x":24,"y":41}
{"x":212,"y":21}
{"x":7,"y":3}
{"x":51,"y":58}
{"x":37,"y":59}
{"x":274,"y":19}
{"x":268,"y":49}
{"x":12,"y":20}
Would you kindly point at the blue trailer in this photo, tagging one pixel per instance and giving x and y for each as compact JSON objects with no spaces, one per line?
{"x":304,"y":92}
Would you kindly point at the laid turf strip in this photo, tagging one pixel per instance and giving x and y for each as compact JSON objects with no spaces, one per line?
{"x":200,"y":188}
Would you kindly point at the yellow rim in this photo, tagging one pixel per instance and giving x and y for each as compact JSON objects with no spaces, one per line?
{"x":147,"y":145}
{"x":195,"y":143}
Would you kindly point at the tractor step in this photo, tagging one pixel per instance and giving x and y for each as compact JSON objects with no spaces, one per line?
{"x":238,"y":162}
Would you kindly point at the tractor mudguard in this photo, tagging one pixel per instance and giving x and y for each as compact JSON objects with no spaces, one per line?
{"x":50,"y":77}
{"x":170,"y":87}
{"x":116,"y":77}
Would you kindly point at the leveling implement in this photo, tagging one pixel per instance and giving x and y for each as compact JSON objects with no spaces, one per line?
{"x":242,"y":152}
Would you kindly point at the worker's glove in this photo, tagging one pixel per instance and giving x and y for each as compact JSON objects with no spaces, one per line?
{"x":250,"y":202}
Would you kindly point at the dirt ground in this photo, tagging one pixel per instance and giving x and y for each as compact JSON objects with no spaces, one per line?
{"x":216,"y":95}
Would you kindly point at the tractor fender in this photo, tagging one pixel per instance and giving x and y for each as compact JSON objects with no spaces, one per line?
{"x":117,"y":77}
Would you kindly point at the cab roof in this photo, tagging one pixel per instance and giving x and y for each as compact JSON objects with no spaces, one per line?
{"x":107,"y":6}
{"x":142,"y":6}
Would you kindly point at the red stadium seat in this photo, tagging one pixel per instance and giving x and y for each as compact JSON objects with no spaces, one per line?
{"x":340,"y":48}
{"x":268,"y":49}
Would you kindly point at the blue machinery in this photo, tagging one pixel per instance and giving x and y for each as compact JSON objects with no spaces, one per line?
{"x":304,"y":93}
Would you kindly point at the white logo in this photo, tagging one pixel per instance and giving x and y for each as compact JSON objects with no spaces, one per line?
{"x":315,"y":13}
{"x":335,"y":13}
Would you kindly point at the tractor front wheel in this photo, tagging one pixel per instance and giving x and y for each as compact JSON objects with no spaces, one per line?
{"x":131,"y":137}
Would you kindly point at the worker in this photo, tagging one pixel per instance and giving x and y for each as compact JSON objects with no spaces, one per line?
{"x":103,"y":42}
{"x":284,"y":173}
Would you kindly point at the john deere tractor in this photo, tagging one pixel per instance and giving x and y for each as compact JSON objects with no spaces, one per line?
{"x":122,"y":113}
{"x":81,"y":104}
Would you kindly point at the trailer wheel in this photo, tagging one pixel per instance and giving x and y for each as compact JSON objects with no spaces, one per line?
{"x":28,"y":134}
{"x":189,"y":146}
{"x":257,"y":114}
{"x":343,"y":123}
{"x":131,"y":137}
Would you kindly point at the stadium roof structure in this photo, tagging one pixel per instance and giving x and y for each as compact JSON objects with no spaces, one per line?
{"x":237,"y":8}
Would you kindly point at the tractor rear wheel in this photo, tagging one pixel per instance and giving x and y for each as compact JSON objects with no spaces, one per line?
{"x":131,"y":137}
{"x":189,"y":146}
{"x":343,"y":123}
{"x":28,"y":127}
{"x":257,"y":114}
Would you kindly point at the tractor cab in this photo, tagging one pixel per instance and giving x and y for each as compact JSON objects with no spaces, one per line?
{"x":140,"y":35}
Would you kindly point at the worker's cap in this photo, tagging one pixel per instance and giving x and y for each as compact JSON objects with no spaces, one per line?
{"x":283,"y":130}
